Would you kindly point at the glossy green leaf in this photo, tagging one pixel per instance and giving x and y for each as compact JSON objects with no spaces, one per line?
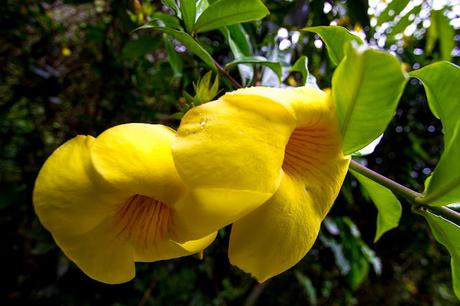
{"x":201,"y":6}
{"x":442,"y":86}
{"x":274,"y":66}
{"x":366,"y":88}
{"x":301,"y":65}
{"x":226,"y":12}
{"x":191,"y":44}
{"x":335,"y":38}
{"x":448,"y":234}
{"x":240,"y":46}
{"x":392,"y":10}
{"x":188,"y":12}
{"x":388,"y":206}
{"x":440,"y":30}
{"x":241,"y":39}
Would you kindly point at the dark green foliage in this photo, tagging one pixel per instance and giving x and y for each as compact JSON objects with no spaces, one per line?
{"x":76,"y":67}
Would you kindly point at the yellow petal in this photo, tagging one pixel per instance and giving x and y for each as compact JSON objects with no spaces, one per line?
{"x":306,"y":104}
{"x":167,"y":249}
{"x":203,"y":211}
{"x":137,"y":158}
{"x":100,"y":253}
{"x":278,"y":234}
{"x":69,"y":195}
{"x":231,"y":156}
{"x":275,"y":236}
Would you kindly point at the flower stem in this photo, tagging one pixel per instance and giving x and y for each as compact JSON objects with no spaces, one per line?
{"x":227,"y":75}
{"x":397,"y":188}
{"x":410,"y":195}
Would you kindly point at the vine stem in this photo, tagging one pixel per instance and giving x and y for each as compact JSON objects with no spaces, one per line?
{"x":227,"y":75}
{"x":397,"y":188}
{"x":412,"y":197}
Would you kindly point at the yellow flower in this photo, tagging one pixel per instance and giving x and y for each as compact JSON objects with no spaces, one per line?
{"x":268,"y":160}
{"x":110,"y":201}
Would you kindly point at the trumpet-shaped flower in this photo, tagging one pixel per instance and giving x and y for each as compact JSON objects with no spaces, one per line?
{"x":268,"y":160}
{"x":110,"y":201}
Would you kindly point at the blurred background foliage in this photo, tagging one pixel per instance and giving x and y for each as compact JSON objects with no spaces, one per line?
{"x":75,"y":67}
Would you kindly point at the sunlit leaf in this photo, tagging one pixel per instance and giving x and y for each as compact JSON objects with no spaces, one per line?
{"x":187,"y":40}
{"x":388,"y":206}
{"x":188,"y":11}
{"x":392,"y":10}
{"x":275,"y":66}
{"x":405,"y":21}
{"x":335,"y":38}
{"x":366,"y":88}
{"x":440,"y":30}
{"x":226,"y":12}
{"x":205,"y":89}
{"x":442,"y":86}
{"x":448,"y":234}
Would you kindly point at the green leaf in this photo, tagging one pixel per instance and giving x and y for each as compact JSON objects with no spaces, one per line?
{"x":444,"y":185}
{"x":335,"y":38}
{"x":188,"y":12}
{"x":174,"y":59}
{"x":201,"y":6}
{"x":172,"y":4}
{"x":441,"y":30}
{"x":366,"y":88}
{"x":442,"y":86}
{"x":240,"y":46}
{"x":387,"y":204}
{"x":307,"y":285}
{"x":226,"y":12}
{"x":187,"y":40}
{"x":205,"y":91}
{"x":405,"y":21}
{"x":241,"y":39}
{"x":301,"y":65}
{"x":166,"y":20}
{"x":275,"y":66}
{"x":448,"y":234}
{"x":139,"y":47}
{"x":392,"y":10}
